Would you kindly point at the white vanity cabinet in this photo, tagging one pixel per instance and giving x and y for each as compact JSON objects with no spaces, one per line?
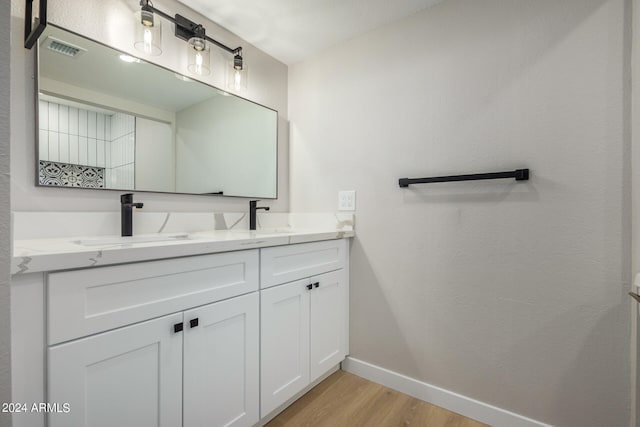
{"x":196,"y":367}
{"x":222,"y":339}
{"x":303,"y":322}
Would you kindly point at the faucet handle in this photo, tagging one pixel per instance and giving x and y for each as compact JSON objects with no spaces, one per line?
{"x":127,"y":199}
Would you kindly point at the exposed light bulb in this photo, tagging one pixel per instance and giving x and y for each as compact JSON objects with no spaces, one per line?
{"x":198,"y":63}
{"x":198,"y":56}
{"x":148,"y":40}
{"x":237,"y":80}
{"x":148,"y":34}
{"x":236,"y":75}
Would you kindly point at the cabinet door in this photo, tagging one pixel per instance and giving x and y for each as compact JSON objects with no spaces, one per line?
{"x":129,"y":377}
{"x":327,"y":320}
{"x":284,"y":366}
{"x":221,"y":363}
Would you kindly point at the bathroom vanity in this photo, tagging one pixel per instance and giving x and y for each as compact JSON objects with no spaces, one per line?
{"x":229,"y":330}
{"x":173,"y":326}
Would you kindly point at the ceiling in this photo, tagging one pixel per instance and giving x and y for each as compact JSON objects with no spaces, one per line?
{"x":293,"y":30}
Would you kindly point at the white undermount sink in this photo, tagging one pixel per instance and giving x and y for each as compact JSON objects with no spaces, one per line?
{"x":118,"y":240}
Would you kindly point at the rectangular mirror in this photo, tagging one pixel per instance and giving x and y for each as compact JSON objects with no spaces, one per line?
{"x":107,"y":120}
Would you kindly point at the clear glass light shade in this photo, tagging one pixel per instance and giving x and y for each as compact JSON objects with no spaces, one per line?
{"x":148,"y":38}
{"x":237,"y":79}
{"x":198,"y":56}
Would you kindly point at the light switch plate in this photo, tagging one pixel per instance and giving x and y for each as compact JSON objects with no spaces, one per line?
{"x":347,"y":200}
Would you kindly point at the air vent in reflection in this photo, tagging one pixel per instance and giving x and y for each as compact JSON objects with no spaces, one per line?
{"x":64,"y":48}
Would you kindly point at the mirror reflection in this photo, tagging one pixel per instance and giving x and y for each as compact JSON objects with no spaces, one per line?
{"x":111,"y":121}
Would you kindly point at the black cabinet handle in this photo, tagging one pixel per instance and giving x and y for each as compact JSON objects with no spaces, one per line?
{"x":193,"y":322}
{"x":316,"y":285}
{"x":309,"y":286}
{"x":177,"y":327}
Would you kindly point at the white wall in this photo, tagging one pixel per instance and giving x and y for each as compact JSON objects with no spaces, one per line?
{"x":635,"y":202}
{"x":111,"y":22}
{"x":510,"y":293}
{"x":155,"y":154}
{"x":238,"y":159}
{"x":103,"y":100}
{"x":5,"y":242}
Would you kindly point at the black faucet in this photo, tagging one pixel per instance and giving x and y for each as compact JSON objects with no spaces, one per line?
{"x":126,"y":213}
{"x":253,"y":207}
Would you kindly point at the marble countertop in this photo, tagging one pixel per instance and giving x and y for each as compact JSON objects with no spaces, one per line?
{"x":51,"y":241}
{"x":63,"y":253}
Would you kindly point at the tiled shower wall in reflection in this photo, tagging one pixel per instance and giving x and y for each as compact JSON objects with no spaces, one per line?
{"x":89,"y":138}
{"x":121,"y":157}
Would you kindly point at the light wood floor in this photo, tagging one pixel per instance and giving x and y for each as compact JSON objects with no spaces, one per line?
{"x":347,"y":400}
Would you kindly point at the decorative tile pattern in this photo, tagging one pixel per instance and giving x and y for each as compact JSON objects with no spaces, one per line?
{"x":72,"y":135}
{"x":68,"y":175}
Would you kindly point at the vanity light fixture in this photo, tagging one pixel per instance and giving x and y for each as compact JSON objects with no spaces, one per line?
{"x":198,"y":52}
{"x":237,"y":74}
{"x":148,"y":38}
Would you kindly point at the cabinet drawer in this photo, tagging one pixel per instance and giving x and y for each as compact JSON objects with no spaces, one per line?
{"x":85,"y":302}
{"x":284,"y":264}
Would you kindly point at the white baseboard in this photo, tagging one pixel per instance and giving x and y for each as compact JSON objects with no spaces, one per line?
{"x":454,"y":402}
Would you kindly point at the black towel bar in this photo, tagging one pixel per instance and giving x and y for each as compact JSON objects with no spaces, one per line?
{"x":518,"y":174}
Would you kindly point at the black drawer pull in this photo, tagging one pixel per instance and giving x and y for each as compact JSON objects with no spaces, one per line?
{"x":316,"y":285}
{"x":309,"y":286}
{"x":193,"y":322}
{"x":177,"y":327}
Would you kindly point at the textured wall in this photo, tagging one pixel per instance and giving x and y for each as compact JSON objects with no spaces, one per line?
{"x":111,"y":22}
{"x":635,"y":196}
{"x":512,"y":294}
{"x":5,"y":258}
